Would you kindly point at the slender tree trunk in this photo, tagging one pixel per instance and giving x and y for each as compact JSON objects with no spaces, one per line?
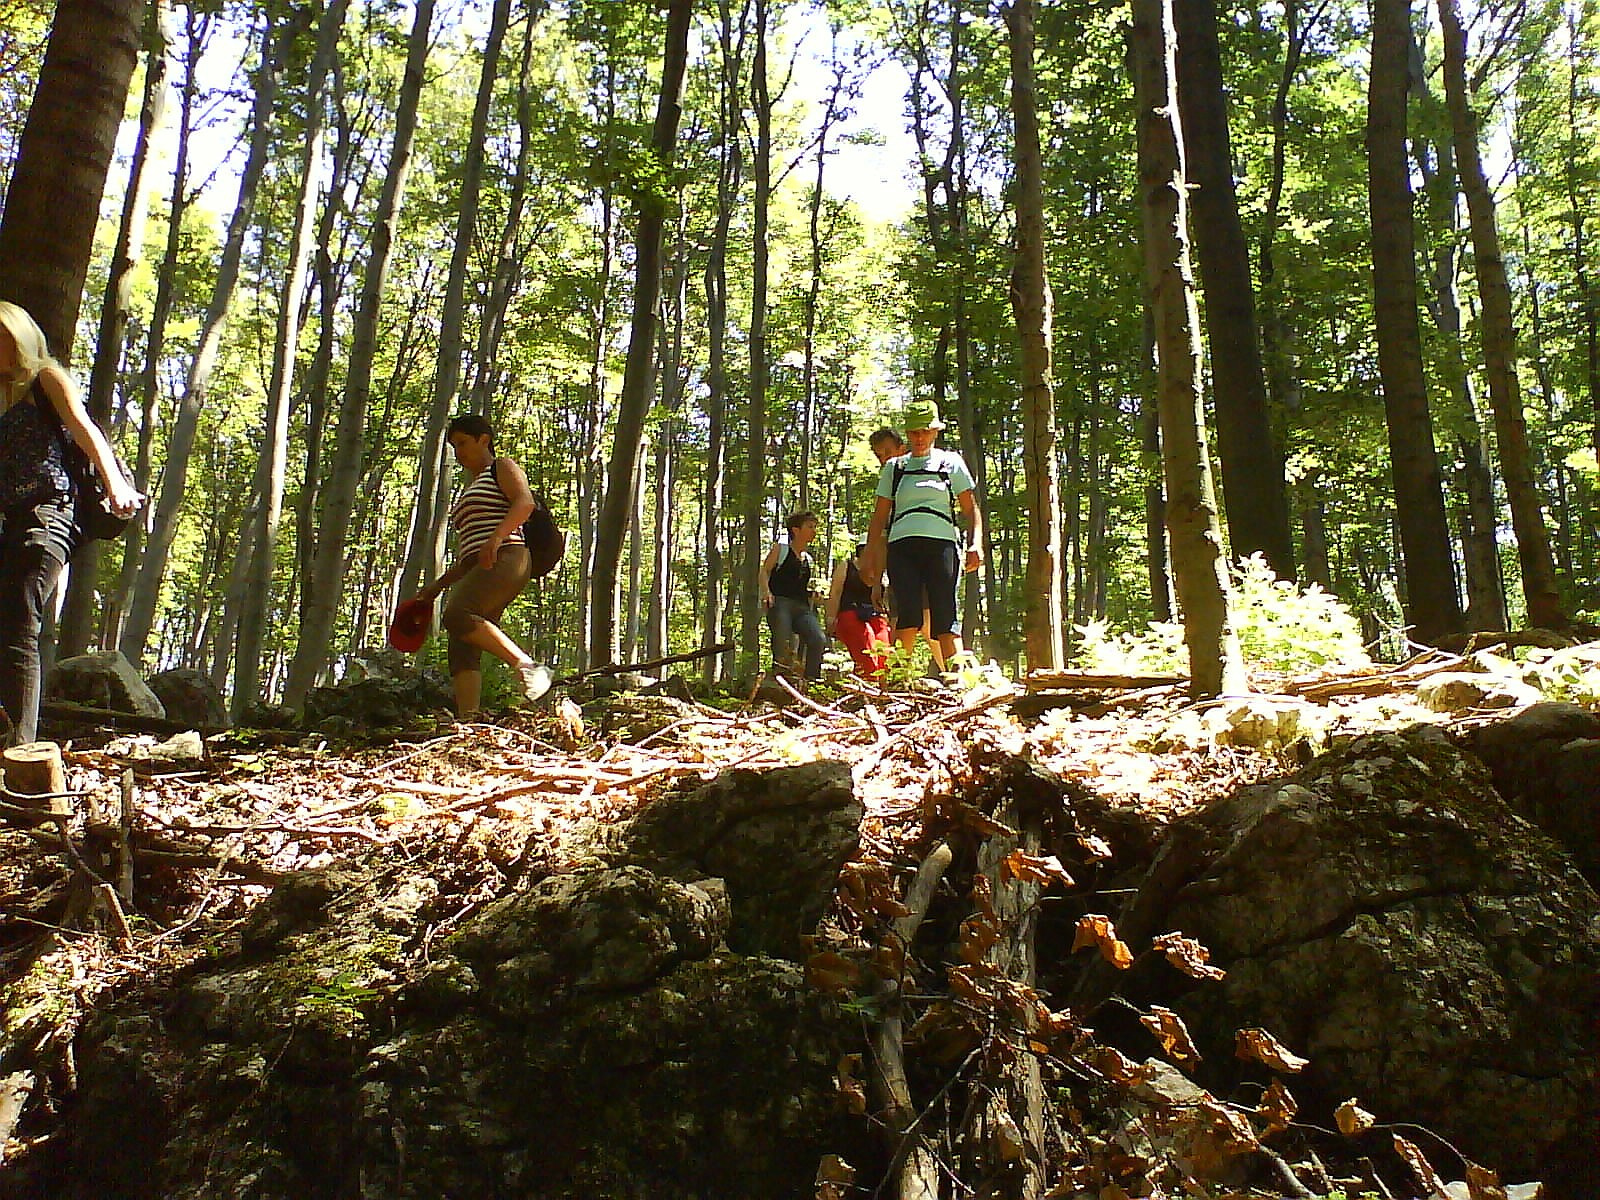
{"x":639,"y":369}
{"x":1499,"y":336}
{"x":257,"y":595}
{"x":1282,"y":384}
{"x":755,"y":467}
{"x":1432,"y":606}
{"x":1253,"y":490}
{"x":52,"y":204}
{"x":1032,"y":307}
{"x":1199,"y":566}
{"x":1314,"y":528}
{"x":74,"y":630}
{"x":1581,"y":205}
{"x":275,"y":43}
{"x":328,"y":564}
{"x":422,"y":557}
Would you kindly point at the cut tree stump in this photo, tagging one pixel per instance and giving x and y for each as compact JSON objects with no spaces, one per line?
{"x":34,"y":778}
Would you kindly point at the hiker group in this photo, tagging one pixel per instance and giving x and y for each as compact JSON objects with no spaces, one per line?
{"x":61,"y":486}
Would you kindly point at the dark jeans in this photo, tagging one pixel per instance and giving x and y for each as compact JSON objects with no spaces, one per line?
{"x":35,"y":543}
{"x":788,"y":618}
{"x":923,"y":572}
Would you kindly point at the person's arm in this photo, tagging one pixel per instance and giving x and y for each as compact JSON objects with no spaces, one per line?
{"x":836,"y":591}
{"x":62,"y":393}
{"x":513,"y":486}
{"x":456,"y":572}
{"x":876,"y":558}
{"x":969,"y":509}
{"x":768,"y":565}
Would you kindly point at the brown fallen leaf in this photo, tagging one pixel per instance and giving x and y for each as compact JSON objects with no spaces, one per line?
{"x":1043,"y":869}
{"x":851,"y":1089}
{"x":978,"y":936}
{"x":834,"y":1178}
{"x":1276,"y":1109}
{"x":1261,"y":1046}
{"x":1483,"y":1184}
{"x":1352,"y":1118}
{"x":1188,"y":955}
{"x":1119,"y":1068}
{"x":1427,"y":1178}
{"x":1173,"y":1035}
{"x":832,"y":973}
{"x":1097,"y":930}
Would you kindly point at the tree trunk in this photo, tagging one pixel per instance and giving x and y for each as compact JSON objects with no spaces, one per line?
{"x":1199,"y":566}
{"x":52,"y":205}
{"x":74,"y":631}
{"x":275,"y":42}
{"x":1032,"y":307}
{"x":1253,"y":490}
{"x":638,"y":372}
{"x":421,"y":556}
{"x":755,"y":467}
{"x":1432,"y":606}
{"x":257,"y":595}
{"x":328,"y":564}
{"x":1539,"y":588}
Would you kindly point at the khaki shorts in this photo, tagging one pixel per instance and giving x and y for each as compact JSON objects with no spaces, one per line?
{"x":482,"y":596}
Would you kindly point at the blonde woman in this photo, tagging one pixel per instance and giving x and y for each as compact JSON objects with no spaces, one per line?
{"x":39,"y":528}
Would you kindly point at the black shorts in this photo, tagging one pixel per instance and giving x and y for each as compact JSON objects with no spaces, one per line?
{"x":923,"y":572}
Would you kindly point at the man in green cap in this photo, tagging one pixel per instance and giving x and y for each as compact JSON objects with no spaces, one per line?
{"x":924,"y":496}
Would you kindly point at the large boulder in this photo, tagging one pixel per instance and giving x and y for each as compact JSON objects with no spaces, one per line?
{"x":105,"y":679}
{"x":379,"y":701}
{"x":1385,"y":914}
{"x":1546,"y":763}
{"x":777,"y":839}
{"x":189,"y":696}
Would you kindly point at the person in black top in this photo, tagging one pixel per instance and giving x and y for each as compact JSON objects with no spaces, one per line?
{"x":40,"y":412}
{"x":787,"y":595}
{"x":857,"y":618}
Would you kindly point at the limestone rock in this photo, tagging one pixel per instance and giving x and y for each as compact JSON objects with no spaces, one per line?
{"x":1459,"y":691}
{"x":378,"y":702}
{"x":777,"y":839}
{"x":1546,"y":763}
{"x":631,"y":718}
{"x":1267,"y":722}
{"x":1387,"y":915}
{"x":104,"y":679}
{"x":189,"y":696}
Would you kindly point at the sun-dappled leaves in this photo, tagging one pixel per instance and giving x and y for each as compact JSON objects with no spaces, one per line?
{"x":1096,"y":930}
{"x":835,"y":1178}
{"x":1276,"y":1109}
{"x":1043,"y":869}
{"x":851,"y":1089}
{"x":1173,"y":1035}
{"x":1188,"y":955}
{"x":1421,"y":1169}
{"x":1261,"y":1046}
{"x":1352,"y":1118}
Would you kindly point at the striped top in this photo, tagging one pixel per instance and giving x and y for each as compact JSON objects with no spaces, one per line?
{"x":477,"y":512}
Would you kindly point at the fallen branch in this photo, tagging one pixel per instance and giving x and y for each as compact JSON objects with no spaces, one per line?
{"x":622,"y":668}
{"x":60,"y":710}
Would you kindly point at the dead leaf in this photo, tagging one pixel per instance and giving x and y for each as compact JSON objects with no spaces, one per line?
{"x":1095,"y":846}
{"x":1188,"y":955}
{"x":1171,"y":1032}
{"x":1218,"y":1134}
{"x":983,"y":896}
{"x":889,"y":958}
{"x":1483,"y":1184}
{"x":1352,"y":1118}
{"x":1261,"y":1046}
{"x":834,"y":1178}
{"x":1421,"y":1168}
{"x":1097,"y":930}
{"x":1113,"y":1191}
{"x":852,"y":1090}
{"x":980,"y":823}
{"x":832,"y":973}
{"x":1007,"y":1139}
{"x":978,"y":936}
{"x":1118,"y":1068}
{"x":1043,"y":869}
{"x":1277,"y":1108}
{"x":571,"y":720}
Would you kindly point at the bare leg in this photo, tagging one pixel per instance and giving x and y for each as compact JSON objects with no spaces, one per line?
{"x":935,"y":644}
{"x":486,"y":635}
{"x":947,"y":647}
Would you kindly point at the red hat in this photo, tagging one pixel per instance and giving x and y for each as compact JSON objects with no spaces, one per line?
{"x":412,"y":620}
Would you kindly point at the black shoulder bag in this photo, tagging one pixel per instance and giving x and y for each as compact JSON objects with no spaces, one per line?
{"x":95,"y":515}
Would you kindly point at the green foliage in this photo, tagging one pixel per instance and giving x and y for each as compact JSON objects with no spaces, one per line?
{"x":1281,"y":627}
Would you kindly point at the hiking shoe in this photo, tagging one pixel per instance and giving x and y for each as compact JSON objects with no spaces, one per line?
{"x":535,"y":679}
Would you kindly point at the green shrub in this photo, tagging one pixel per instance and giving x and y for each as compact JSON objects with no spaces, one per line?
{"x":1280,"y":628}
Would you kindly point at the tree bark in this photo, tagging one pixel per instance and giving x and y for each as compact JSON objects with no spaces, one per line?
{"x":275,"y":43}
{"x":1199,"y":566}
{"x":328,"y":563}
{"x":1032,"y":307}
{"x":639,"y":369}
{"x":1539,"y":590}
{"x":1254,"y":494}
{"x":1432,"y":606}
{"x":756,"y":426}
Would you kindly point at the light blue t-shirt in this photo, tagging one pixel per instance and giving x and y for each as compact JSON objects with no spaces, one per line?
{"x":928,"y":490}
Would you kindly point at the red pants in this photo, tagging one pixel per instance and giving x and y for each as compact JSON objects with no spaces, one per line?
{"x":868,"y":641}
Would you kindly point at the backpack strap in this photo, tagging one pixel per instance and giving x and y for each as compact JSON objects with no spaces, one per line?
{"x":942,"y":470}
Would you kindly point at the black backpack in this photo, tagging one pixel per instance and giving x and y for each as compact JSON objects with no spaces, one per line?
{"x":545,"y":539}
{"x":937,"y":468}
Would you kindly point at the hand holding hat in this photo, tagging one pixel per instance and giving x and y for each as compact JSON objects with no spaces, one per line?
{"x":413,"y":619}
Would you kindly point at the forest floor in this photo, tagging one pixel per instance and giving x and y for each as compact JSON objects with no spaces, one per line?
{"x":478,"y":806}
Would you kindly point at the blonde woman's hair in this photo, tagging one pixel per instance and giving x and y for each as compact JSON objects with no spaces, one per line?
{"x":33,"y":352}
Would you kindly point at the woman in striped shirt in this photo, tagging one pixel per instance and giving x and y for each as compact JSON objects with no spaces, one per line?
{"x":492,"y":564}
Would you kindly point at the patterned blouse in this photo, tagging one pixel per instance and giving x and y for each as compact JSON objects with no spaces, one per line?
{"x":33,"y":466}
{"x":477,"y":512}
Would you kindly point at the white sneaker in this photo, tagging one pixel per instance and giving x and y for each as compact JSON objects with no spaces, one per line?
{"x":535,"y":679}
